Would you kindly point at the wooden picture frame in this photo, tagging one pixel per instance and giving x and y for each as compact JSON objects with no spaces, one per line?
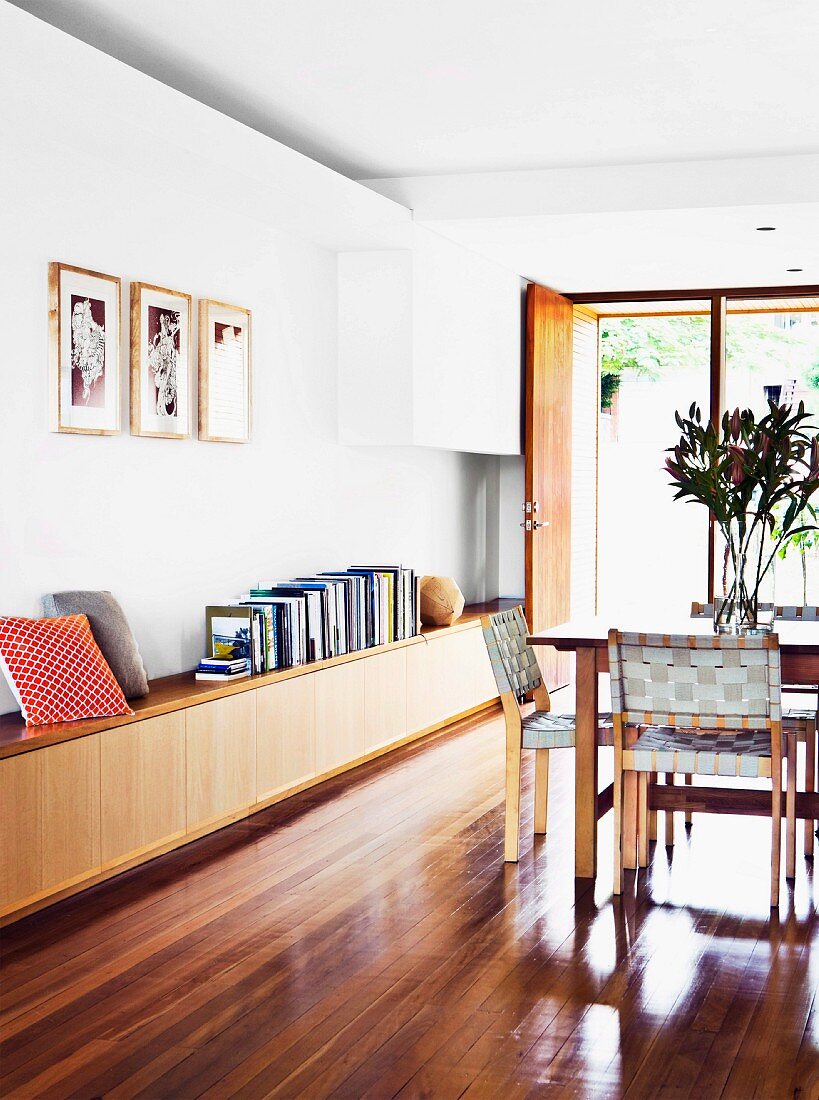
{"x":84,"y":346}
{"x":161,"y":357}
{"x":224,"y":372}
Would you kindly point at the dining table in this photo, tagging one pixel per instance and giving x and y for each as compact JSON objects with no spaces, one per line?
{"x":587,"y":638}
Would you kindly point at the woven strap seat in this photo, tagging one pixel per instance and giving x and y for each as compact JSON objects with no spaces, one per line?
{"x":544,"y":730}
{"x":745,"y":753}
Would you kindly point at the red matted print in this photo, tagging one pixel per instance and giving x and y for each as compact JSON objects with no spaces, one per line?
{"x":163,"y":358}
{"x":87,"y":352}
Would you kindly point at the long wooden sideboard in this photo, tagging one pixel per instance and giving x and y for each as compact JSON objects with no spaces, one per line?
{"x":83,"y":801}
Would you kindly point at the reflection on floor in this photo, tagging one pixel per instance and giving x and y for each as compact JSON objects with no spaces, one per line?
{"x":366,"y":939}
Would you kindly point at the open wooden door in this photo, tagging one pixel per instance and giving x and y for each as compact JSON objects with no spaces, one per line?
{"x":548,"y":443}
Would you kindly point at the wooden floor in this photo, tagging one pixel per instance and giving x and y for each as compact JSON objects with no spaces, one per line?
{"x":366,"y":940}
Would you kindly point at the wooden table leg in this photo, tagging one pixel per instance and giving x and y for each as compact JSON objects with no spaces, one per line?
{"x":585,"y":782}
{"x":670,"y":780}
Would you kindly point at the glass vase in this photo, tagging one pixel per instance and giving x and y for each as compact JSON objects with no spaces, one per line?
{"x":745,"y":587}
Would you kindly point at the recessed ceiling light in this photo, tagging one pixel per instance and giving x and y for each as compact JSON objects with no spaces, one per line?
{"x":765,"y":228}
{"x":795,"y":269}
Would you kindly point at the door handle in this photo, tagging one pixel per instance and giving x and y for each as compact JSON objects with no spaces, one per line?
{"x":537,"y":524}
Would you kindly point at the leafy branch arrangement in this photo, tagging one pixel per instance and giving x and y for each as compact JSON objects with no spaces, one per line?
{"x":756,"y":478}
{"x":805,"y":541}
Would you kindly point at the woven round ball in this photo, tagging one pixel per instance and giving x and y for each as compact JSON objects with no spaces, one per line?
{"x":441,"y":601}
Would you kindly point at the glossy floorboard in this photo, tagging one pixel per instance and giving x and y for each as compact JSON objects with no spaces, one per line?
{"x":365,"y":940}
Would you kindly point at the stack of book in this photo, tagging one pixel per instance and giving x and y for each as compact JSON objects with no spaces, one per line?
{"x":222,"y":668}
{"x":280,"y":624}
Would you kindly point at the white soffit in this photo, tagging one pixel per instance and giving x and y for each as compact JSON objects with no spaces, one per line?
{"x":651,"y":249}
{"x":640,"y":227}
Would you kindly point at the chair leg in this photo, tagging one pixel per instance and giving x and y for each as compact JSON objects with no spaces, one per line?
{"x":652,"y":813}
{"x":776,"y":827}
{"x":642,"y":819}
{"x":511,"y":839}
{"x":810,"y":784}
{"x":669,"y":815}
{"x":689,"y":782}
{"x":618,"y":823}
{"x":629,"y":830}
{"x":790,"y":807}
{"x":541,"y":790}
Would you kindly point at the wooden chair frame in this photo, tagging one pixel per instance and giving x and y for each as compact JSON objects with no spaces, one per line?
{"x":797,"y":726}
{"x":624,"y":720}
{"x":533,"y":690}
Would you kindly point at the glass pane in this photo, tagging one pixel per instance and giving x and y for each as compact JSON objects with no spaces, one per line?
{"x":776,"y":355}
{"x":652,"y":550}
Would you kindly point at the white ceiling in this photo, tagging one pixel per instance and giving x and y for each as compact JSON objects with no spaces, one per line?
{"x":377,"y":88}
{"x":412,"y":88}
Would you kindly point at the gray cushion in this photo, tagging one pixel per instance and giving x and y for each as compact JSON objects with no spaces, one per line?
{"x":111,"y":632}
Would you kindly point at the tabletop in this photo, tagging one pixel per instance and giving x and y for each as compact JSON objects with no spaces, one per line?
{"x":591,"y":632}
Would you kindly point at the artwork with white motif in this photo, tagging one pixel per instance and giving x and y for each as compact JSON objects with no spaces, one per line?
{"x":84,"y":350}
{"x":160,"y":361}
{"x":87,"y":351}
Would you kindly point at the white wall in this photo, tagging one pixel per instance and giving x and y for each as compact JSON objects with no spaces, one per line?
{"x":430,"y":348}
{"x":512,"y":479}
{"x":467,"y":349}
{"x":375,"y":348}
{"x":170,"y":526}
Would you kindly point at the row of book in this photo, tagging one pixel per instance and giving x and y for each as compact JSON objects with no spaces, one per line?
{"x":285,"y":623}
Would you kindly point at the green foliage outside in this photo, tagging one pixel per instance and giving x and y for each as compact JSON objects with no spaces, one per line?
{"x":805,"y":542}
{"x":648,"y":347}
{"x":609,"y":385}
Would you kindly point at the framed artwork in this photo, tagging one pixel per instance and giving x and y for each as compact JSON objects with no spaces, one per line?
{"x":224,"y":373}
{"x":84,"y":349}
{"x":229,"y":631}
{"x":160,"y":361}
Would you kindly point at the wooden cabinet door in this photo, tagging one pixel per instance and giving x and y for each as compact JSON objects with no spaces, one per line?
{"x":455,"y":659}
{"x":221,"y":758}
{"x":442,"y":678}
{"x":71,"y":811}
{"x":21,"y":828}
{"x":421,"y":701}
{"x":142,"y":780}
{"x":385,"y":698}
{"x":285,"y":734}
{"x":339,"y":715}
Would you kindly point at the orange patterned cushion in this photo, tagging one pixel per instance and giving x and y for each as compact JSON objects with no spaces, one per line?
{"x":57,"y":671}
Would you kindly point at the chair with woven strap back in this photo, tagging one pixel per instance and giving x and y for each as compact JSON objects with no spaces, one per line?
{"x":708,"y":706}
{"x":800,"y":722}
{"x":518,"y":678}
